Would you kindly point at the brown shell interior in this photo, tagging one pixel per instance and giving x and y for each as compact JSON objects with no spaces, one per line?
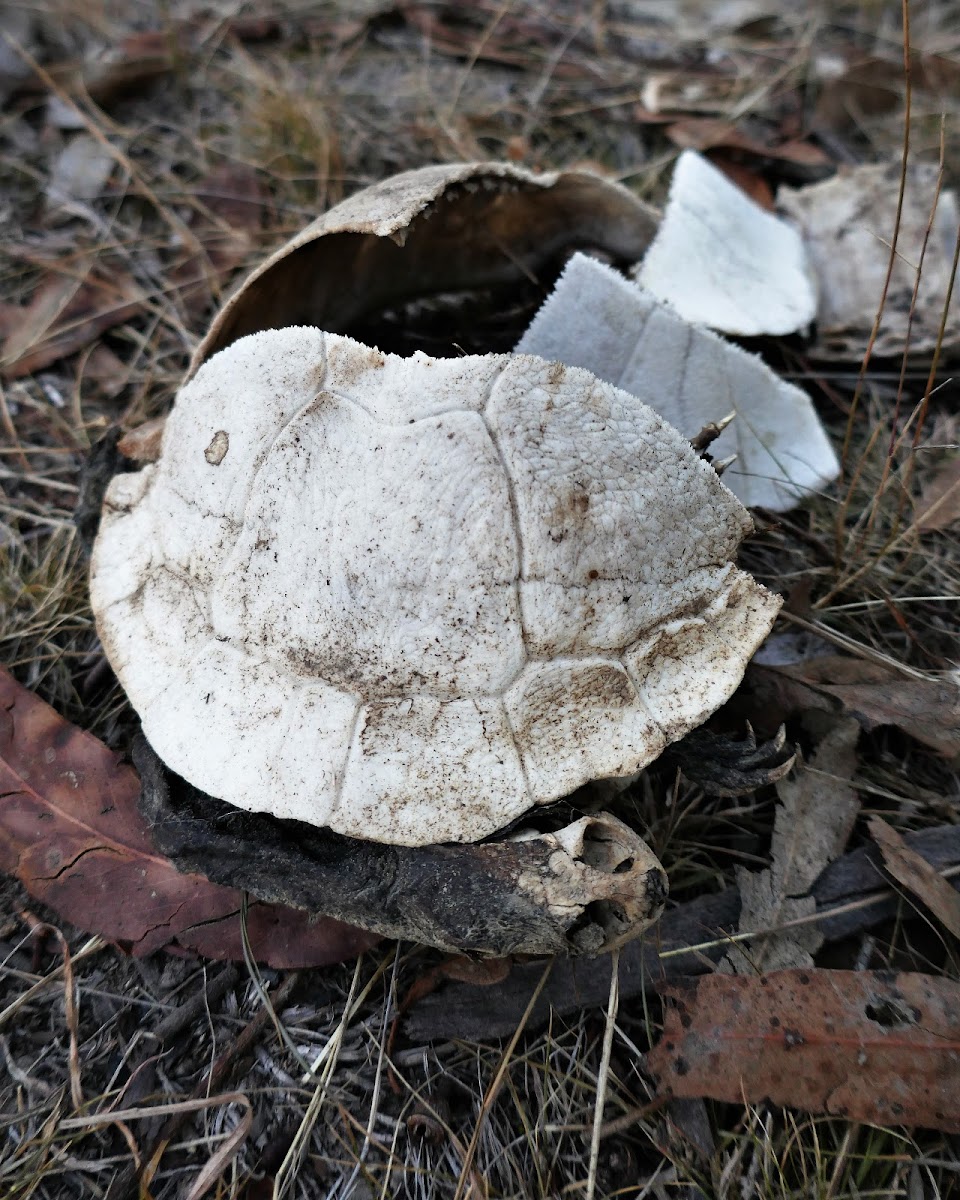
{"x":505,"y":238}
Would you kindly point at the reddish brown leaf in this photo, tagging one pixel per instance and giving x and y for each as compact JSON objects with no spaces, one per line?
{"x":748,"y":181}
{"x":104,"y":372}
{"x":71,"y":832}
{"x":65,"y":314}
{"x":235,"y":194}
{"x":709,"y":133}
{"x":917,"y":875}
{"x":143,"y":443}
{"x":865,"y":1045}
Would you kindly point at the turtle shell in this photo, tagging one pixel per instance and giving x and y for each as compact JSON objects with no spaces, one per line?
{"x":410,"y":599}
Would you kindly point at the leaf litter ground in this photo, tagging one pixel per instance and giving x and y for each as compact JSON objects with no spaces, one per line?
{"x":227,"y":133}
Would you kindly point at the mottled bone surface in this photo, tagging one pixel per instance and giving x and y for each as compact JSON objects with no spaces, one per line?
{"x":410,"y":599}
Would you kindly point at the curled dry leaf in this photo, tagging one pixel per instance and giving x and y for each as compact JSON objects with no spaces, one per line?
{"x":928,"y":709}
{"x":704,"y":133}
{"x":749,"y":181}
{"x":917,"y":875}
{"x":848,"y":225}
{"x":815,"y":817}
{"x":864,"y":1045}
{"x":71,"y":832}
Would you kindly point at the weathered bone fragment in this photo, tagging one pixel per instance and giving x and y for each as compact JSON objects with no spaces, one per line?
{"x":582,"y":890}
{"x":597,"y":319}
{"x":722,"y":261}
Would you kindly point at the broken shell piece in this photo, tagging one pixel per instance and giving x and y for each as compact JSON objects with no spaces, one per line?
{"x":721,"y":260}
{"x":599,"y":869}
{"x":457,"y":226}
{"x":412,"y":599}
{"x":848,"y":224}
{"x":598,"y":320}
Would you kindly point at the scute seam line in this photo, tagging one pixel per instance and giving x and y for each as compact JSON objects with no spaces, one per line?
{"x":341,"y":775}
{"x":514,"y":510}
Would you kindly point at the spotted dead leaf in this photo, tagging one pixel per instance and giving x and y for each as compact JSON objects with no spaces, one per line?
{"x":71,"y":832}
{"x":865,"y":1045}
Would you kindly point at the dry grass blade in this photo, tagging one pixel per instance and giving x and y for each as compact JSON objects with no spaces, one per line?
{"x":40,"y":929}
{"x":93,"y":946}
{"x":325,"y":1065}
{"x":603,"y":1074}
{"x":469,"y":1179}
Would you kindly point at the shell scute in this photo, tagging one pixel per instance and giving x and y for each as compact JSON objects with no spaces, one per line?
{"x":414,"y":597}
